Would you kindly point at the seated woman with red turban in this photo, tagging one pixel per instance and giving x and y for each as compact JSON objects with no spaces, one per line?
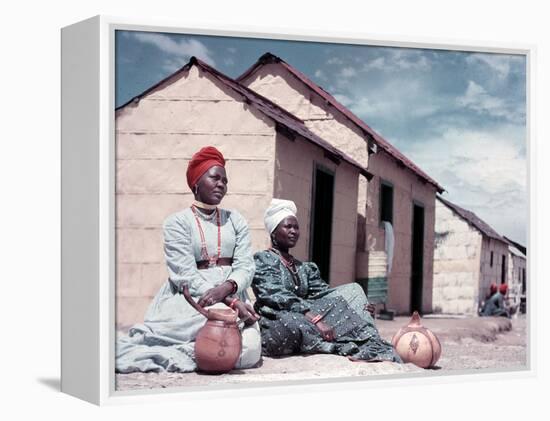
{"x":207,"y":249}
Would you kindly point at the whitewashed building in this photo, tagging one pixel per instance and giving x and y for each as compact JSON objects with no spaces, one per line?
{"x":517,"y":275}
{"x":469,"y":255}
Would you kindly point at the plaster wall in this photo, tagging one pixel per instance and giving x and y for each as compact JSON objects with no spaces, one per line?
{"x":515,"y":276}
{"x":407,"y":189}
{"x":463,"y":267}
{"x":155,"y":139}
{"x":276,"y":83}
{"x":295,"y":164}
{"x":492,"y":272}
{"x":457,"y":262}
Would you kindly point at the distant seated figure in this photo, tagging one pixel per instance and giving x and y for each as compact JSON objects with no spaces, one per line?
{"x":493,"y":289}
{"x":494,"y":305}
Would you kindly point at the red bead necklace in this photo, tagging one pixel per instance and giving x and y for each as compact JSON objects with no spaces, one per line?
{"x":212,"y":261}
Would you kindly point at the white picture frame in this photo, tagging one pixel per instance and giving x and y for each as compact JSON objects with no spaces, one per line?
{"x":88,"y":209}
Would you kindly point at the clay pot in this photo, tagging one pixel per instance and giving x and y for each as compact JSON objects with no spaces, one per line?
{"x":218,"y":343}
{"x":416,"y":344}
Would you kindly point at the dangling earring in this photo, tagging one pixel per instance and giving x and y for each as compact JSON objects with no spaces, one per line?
{"x":196,"y":190}
{"x":274,"y":242}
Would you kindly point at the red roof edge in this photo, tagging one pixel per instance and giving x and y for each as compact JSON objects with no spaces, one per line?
{"x":474,"y":220}
{"x":387,"y":147}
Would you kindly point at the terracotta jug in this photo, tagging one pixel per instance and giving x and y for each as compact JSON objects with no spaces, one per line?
{"x":218,"y":343}
{"x":416,"y":344}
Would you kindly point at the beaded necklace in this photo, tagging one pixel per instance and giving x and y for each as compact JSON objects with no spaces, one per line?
{"x":291,"y":266}
{"x":212,"y":261}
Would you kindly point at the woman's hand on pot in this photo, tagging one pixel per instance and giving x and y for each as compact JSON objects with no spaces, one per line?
{"x":216,"y":294}
{"x":246,"y":312}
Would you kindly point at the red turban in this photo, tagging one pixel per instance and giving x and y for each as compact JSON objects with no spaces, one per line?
{"x":493,"y":288}
{"x":201,"y":162}
{"x":503,"y":289}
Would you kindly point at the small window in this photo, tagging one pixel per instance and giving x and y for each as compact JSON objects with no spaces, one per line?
{"x":386,"y":202}
{"x":492,"y":259}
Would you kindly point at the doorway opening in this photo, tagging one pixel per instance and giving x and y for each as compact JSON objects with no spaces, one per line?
{"x":321,"y":220}
{"x":417,"y":261}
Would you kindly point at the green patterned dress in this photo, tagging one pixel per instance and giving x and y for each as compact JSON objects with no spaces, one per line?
{"x":282,"y":302}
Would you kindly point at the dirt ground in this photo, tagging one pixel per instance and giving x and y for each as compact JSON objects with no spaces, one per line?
{"x":467,"y":343}
{"x":475,"y":343}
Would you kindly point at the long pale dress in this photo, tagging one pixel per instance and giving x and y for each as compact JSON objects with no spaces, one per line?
{"x":283,"y":303}
{"x":165,"y":341}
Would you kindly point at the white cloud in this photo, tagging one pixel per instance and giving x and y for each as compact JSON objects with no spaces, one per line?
{"x":348,"y":72}
{"x":487,"y":158}
{"x":404,"y":59}
{"x":392,"y":60}
{"x":398,"y":97}
{"x":482,"y":171}
{"x":170,"y":65}
{"x":320,"y":74}
{"x":377,"y":64}
{"x":499,"y":63}
{"x":343,"y":99}
{"x":477,"y":99}
{"x":335,"y":61}
{"x":180,"y":51}
{"x":367,"y":108}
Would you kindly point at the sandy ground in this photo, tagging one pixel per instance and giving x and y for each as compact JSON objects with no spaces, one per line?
{"x":467,"y":343}
{"x":475,"y":343}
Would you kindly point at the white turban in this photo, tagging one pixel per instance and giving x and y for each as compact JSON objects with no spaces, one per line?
{"x":278,"y":210}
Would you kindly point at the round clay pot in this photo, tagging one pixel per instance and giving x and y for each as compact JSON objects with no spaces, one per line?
{"x":218,"y":343}
{"x":416,"y":344}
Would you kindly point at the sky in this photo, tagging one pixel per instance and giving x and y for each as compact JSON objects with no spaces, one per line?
{"x":460,"y":116}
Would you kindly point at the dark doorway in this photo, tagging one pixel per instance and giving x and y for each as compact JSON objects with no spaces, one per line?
{"x":386,"y":202}
{"x":417,"y":264}
{"x":321,"y":225}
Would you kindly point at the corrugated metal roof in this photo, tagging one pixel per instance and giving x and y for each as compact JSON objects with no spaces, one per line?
{"x":472,"y":219}
{"x":377,"y":139}
{"x":285,"y":121}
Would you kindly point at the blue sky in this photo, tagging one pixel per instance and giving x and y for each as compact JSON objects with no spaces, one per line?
{"x":460,"y":116}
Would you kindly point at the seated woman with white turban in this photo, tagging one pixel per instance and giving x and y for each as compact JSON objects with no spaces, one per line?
{"x":300,"y":312}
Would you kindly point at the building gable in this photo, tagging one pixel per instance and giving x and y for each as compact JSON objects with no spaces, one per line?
{"x":279,"y":84}
{"x":334,"y":108}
